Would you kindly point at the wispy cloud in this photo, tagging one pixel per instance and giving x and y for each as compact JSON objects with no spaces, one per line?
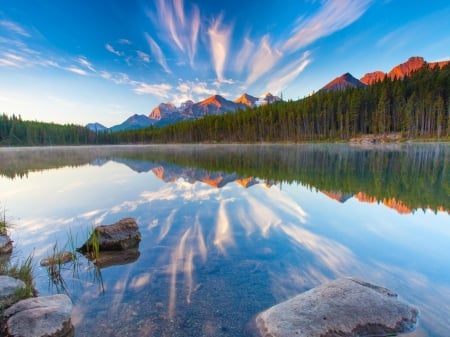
{"x":286,"y":75}
{"x":190,"y":90}
{"x":263,"y":60}
{"x":157,"y":53}
{"x":161,"y":90}
{"x":77,"y":70}
{"x":117,"y":78}
{"x":14,"y":27}
{"x":85,"y":63}
{"x":112,"y":50}
{"x":333,"y":16}
{"x":242,"y":57}
{"x":181,"y":28}
{"x":124,"y":41}
{"x":219,"y":38}
{"x":143,"y":56}
{"x":12,"y":60}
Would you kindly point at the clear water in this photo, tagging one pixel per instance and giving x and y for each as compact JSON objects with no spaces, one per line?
{"x":228,"y":231}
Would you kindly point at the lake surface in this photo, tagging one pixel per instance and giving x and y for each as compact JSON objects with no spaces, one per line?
{"x":228,"y":231}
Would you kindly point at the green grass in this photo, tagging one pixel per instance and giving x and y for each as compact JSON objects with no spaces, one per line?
{"x":3,"y":223}
{"x":22,"y":270}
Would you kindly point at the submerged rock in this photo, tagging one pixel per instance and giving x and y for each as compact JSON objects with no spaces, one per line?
{"x":345,"y":307}
{"x":121,"y":235}
{"x":60,"y":258}
{"x":40,"y":316}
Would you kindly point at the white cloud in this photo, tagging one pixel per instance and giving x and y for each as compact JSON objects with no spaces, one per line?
{"x":157,"y":53}
{"x":333,"y":16}
{"x":161,"y":90}
{"x":288,"y":73}
{"x":219,"y":38}
{"x":12,"y":60}
{"x":76,"y":70}
{"x":180,"y":28}
{"x":14,"y":27}
{"x":118,"y":78}
{"x":241,"y":61}
{"x":112,"y":50}
{"x":85,"y":63}
{"x":143,"y":56}
{"x":263,"y":60}
{"x":124,"y":41}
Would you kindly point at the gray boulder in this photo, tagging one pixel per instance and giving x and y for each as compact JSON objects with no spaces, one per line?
{"x":40,"y":316}
{"x":6,"y":245}
{"x":121,"y":235}
{"x":8,"y":289}
{"x":342,"y":308}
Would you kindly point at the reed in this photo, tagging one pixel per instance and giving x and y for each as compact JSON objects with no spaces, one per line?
{"x":22,"y":270}
{"x":3,"y":223}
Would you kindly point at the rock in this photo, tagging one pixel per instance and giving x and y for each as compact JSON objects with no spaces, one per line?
{"x":61,"y":258}
{"x":344,"y":307}
{"x":122,"y":235}
{"x":8,"y":288}
{"x":47,"y":316}
{"x":6,"y":245}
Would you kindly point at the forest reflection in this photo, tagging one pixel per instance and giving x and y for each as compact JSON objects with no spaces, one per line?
{"x":405,"y":177}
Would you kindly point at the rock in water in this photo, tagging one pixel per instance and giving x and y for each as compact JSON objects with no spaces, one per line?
{"x":122,"y":235}
{"x":345,"y":307}
{"x":8,"y":289}
{"x":57,"y":259}
{"x":40,"y":316}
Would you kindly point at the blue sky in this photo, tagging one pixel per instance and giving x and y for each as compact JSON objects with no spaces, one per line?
{"x":84,"y":61}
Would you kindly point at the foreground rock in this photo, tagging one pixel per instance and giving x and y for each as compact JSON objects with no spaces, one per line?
{"x":39,"y":316}
{"x":345,"y":307}
{"x":122,"y":235}
{"x":6,"y":245}
{"x":9,"y":286}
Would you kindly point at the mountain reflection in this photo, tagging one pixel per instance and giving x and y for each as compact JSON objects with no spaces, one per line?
{"x":403,"y":177}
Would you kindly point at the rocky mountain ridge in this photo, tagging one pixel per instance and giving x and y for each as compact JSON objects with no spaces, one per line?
{"x":399,"y":71}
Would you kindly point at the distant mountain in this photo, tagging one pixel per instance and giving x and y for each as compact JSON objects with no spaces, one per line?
{"x":248,"y":100}
{"x":404,"y":69}
{"x":269,"y":99}
{"x":215,"y":105}
{"x":96,"y":127}
{"x":167,"y":113}
{"x":163,"y":110}
{"x":343,"y":82}
{"x":133,"y":122}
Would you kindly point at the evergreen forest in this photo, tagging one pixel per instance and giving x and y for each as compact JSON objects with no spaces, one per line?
{"x":416,"y":106}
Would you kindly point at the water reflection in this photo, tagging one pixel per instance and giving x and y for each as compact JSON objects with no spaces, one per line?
{"x":228,"y":232}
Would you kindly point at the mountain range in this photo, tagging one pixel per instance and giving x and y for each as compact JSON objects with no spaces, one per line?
{"x":168,"y":113}
{"x":404,"y":69}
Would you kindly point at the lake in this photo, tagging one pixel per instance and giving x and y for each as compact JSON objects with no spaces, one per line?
{"x":228,"y":231}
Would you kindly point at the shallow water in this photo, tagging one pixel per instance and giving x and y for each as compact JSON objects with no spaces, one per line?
{"x":228,"y":231}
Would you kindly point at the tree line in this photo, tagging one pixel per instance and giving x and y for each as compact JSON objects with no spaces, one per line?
{"x":416,"y":106}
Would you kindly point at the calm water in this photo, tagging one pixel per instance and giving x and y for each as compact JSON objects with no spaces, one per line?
{"x":228,"y":231}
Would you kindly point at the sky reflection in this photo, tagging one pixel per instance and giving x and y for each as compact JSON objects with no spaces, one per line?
{"x":240,"y":247}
